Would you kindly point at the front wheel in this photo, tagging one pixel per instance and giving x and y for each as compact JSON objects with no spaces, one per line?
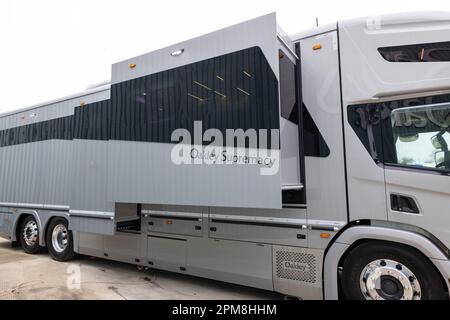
{"x":60,"y":240}
{"x":388,"y":271}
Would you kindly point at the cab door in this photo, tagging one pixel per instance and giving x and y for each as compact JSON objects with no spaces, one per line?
{"x":416,"y":140}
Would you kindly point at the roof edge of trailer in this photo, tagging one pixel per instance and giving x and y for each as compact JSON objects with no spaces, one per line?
{"x":390,"y":20}
{"x":174,"y":45}
{"x":100,"y":87}
{"x":386,"y":20}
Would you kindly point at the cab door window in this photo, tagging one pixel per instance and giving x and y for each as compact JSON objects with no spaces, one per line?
{"x":421,"y":136}
{"x":413,"y":133}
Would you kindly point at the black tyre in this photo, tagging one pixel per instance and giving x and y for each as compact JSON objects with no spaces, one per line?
{"x":389,"y":271}
{"x":59,"y":240}
{"x":29,"y":235}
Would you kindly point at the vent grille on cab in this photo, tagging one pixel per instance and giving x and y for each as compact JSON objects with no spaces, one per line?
{"x":296,"y":266}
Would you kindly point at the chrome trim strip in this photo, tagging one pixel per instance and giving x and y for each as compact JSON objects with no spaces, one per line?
{"x":8,"y":204}
{"x":292,"y":187}
{"x":30,"y":205}
{"x":310,"y":224}
{"x":294,"y":206}
{"x":326,"y":225}
{"x":280,"y":38}
{"x":56,"y":207}
{"x":91,"y":214}
{"x":172,"y":214}
{"x":259,"y":219}
{"x":34,"y":206}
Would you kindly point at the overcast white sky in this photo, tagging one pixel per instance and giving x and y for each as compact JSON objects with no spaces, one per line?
{"x":52,"y":48}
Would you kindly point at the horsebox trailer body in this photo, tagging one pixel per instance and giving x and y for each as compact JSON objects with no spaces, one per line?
{"x":346,"y":192}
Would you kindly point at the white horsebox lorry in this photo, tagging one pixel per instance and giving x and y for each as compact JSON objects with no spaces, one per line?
{"x":315,"y":165}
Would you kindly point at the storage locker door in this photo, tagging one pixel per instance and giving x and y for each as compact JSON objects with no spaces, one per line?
{"x":5,"y":223}
{"x":89,"y":209}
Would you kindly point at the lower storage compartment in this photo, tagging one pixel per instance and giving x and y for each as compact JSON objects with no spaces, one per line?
{"x":168,"y":253}
{"x":237,"y":262}
{"x":6,"y":220}
{"x":124,"y":247}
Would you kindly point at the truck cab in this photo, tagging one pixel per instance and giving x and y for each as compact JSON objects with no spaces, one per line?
{"x":378,"y":89}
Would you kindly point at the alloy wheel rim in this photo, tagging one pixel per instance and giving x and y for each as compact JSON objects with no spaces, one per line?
{"x":31,"y":233}
{"x":385,"y":279}
{"x":60,"y":238}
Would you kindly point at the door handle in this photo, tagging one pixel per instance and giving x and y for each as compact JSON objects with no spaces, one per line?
{"x":403,"y":203}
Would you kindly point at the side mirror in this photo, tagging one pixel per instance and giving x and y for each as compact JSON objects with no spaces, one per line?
{"x":435,"y":142}
{"x":439,"y":157}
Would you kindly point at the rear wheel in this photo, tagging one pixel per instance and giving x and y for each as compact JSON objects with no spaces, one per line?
{"x":29,"y":235}
{"x":60,"y":240}
{"x":388,"y":271}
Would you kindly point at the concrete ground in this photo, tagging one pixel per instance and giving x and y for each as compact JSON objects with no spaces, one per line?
{"x":25,"y":276}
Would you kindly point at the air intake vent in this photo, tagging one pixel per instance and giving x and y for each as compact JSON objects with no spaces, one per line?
{"x":298,"y":271}
{"x":296,"y":266}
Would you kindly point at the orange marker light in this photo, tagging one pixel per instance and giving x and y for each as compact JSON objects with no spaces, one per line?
{"x":325,"y":235}
{"x":317,"y":47}
{"x":132,"y":65}
{"x":168,"y":221}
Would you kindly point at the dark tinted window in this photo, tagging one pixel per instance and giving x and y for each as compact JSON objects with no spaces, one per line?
{"x":365,"y":121}
{"x":293,"y":197}
{"x":314,"y":143}
{"x":288,"y":101}
{"x":426,"y":52}
{"x":237,"y":90}
{"x":91,"y":121}
{"x":59,"y":128}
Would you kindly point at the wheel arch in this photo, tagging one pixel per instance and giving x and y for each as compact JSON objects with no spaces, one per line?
{"x":47,"y":217}
{"x":49,"y":220}
{"x":21,"y":215}
{"x":355,"y":234}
